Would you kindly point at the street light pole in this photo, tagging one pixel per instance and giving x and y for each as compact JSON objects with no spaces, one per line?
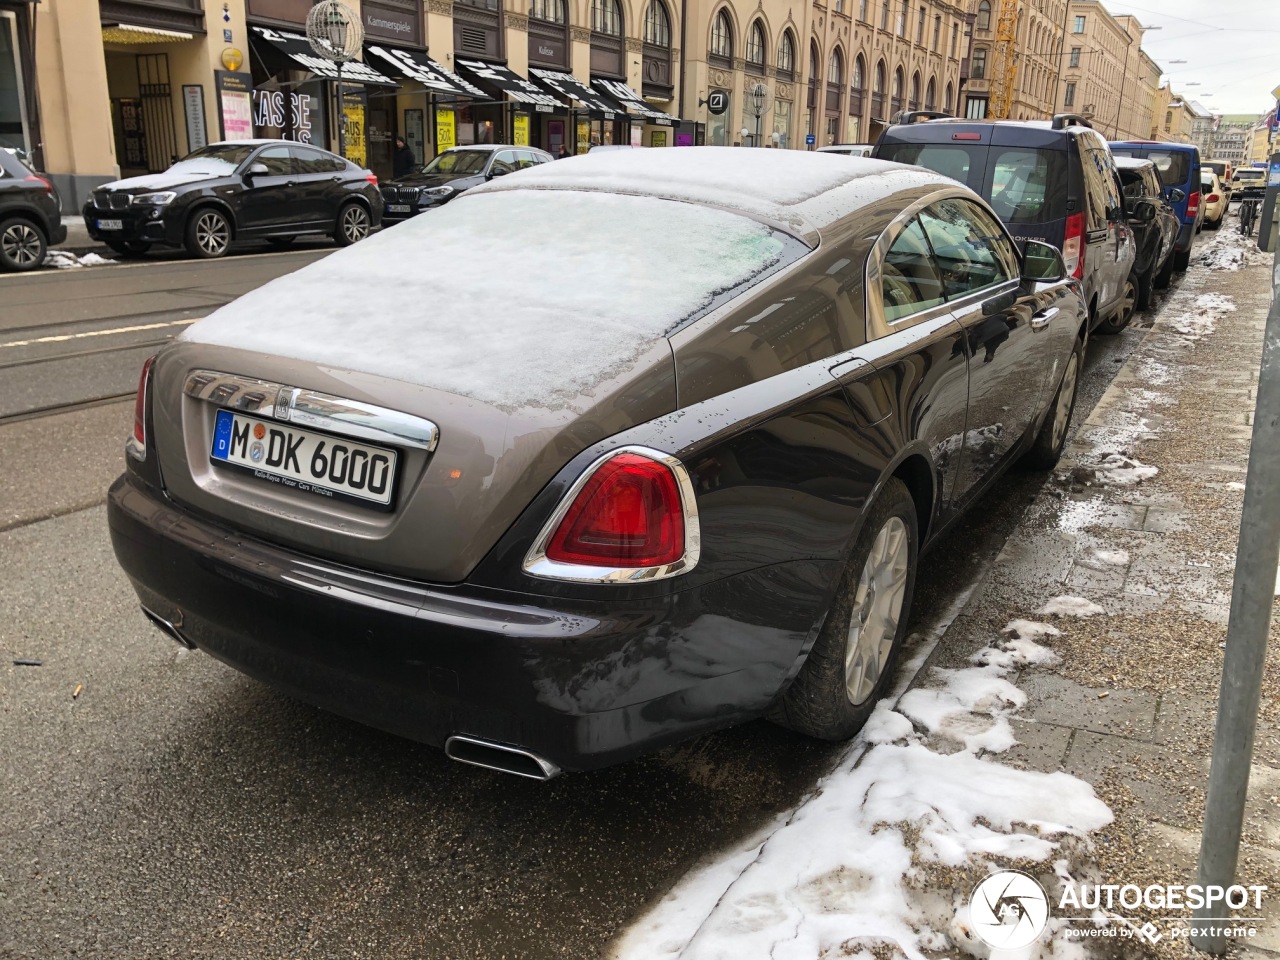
{"x":758,"y":94}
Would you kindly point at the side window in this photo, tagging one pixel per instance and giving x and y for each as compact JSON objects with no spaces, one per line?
{"x":525,"y":158}
{"x":278,"y":160}
{"x":909,"y":277}
{"x":1095,"y":190}
{"x":1027,"y":184}
{"x":309,"y":161}
{"x":505,"y":161}
{"x":1133,"y":186}
{"x":971,"y":250}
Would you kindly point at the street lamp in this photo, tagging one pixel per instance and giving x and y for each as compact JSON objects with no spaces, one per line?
{"x":335,"y":33}
{"x":758,"y":93}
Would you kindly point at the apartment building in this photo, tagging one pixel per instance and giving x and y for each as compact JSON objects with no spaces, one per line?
{"x":1230,"y":136}
{"x":1139,"y":81}
{"x":1038,"y":52}
{"x":1096,"y":79}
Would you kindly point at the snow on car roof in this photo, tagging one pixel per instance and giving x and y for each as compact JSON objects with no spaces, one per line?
{"x":796,"y":190}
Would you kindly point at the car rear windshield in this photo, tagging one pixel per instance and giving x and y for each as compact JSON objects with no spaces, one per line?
{"x":1174,"y":166}
{"x":1219,"y":168}
{"x":1022,"y":184}
{"x":1250,"y":173}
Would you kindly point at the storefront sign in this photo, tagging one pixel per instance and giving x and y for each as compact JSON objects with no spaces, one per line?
{"x":446,"y":129}
{"x":391,"y":23}
{"x":717,"y":102}
{"x":235,"y":104}
{"x":280,"y":115}
{"x":353,"y":132}
{"x":193,"y":101}
{"x":637,"y":135}
{"x":520,"y":130}
{"x":422,"y":69}
{"x":658,"y":138}
{"x":584,"y":136}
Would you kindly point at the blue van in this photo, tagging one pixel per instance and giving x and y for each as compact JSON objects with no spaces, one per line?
{"x":1179,"y":167}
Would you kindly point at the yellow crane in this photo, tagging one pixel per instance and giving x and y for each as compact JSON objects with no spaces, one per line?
{"x":1004,"y":63}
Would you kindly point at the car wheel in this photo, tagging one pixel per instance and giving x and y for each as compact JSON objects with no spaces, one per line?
{"x":353,"y":225}
{"x":1047,"y":449}
{"x":208,"y":234}
{"x":1165,"y":275}
{"x":280,"y":243}
{"x":851,"y":664}
{"x":1145,"y":292}
{"x":22,"y":245}
{"x":1124,"y":310}
{"x":129,"y":248}
{"x":1181,"y":259}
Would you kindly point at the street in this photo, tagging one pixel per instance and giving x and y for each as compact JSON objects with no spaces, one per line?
{"x":157,"y":803}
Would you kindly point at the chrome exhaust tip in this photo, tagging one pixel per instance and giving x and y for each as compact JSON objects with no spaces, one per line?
{"x":168,"y":629}
{"x":499,"y":756}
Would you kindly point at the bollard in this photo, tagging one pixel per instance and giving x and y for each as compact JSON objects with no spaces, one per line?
{"x":1252,"y":593}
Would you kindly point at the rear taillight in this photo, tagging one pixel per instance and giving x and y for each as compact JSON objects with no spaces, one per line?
{"x":33,"y":178}
{"x":137,"y":445}
{"x":1212,"y":198}
{"x":1193,"y":204}
{"x":1073,"y":245}
{"x":371,"y":177}
{"x":630,"y":517}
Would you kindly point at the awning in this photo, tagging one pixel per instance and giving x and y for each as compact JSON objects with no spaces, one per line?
{"x":571,"y":88}
{"x":131,"y":33}
{"x":417,"y":66}
{"x":296,"y":48}
{"x":633,"y":102}
{"x":506,"y":81}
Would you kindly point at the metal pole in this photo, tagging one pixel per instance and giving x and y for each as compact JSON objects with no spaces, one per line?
{"x":1252,"y":594}
{"x":342,"y":116}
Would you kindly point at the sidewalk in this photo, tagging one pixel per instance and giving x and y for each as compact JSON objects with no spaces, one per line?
{"x":78,"y":239}
{"x":1082,"y":671}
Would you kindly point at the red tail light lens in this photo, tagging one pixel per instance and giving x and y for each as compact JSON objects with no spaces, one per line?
{"x":137,"y":445}
{"x":33,"y":178}
{"x":372,"y":178}
{"x":1073,"y":245}
{"x":1193,"y":204}
{"x":629,"y":514}
{"x":1212,"y":198}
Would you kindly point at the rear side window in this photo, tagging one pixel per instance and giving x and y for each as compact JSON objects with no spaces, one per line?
{"x":956,"y":162}
{"x":909,"y":277}
{"x":1173,"y":166}
{"x":1027,"y":185}
{"x":1100,"y":189}
{"x":1132,"y":183}
{"x":971,"y":250}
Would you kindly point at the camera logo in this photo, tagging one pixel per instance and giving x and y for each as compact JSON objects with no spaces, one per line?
{"x":1008,"y":910}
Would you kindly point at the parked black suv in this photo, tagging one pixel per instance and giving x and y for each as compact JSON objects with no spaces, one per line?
{"x":1155,"y":225}
{"x":453,"y":171}
{"x":30,"y":214}
{"x":1054,"y":182}
{"x":271,"y":190}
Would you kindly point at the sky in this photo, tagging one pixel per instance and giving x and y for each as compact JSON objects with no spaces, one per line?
{"x":1232,"y":49}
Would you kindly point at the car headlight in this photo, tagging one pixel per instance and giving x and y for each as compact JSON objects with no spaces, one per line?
{"x":439,"y":192}
{"x":155,"y":199}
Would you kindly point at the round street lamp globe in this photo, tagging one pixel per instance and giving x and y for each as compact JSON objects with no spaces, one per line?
{"x":758,"y":93}
{"x":334,"y":31}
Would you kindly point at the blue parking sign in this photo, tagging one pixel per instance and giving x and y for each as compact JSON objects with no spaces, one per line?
{"x":810,"y":139}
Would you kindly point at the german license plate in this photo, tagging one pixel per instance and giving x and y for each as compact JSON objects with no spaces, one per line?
{"x":110,"y":224}
{"x":397,"y":208}
{"x":316,"y":463}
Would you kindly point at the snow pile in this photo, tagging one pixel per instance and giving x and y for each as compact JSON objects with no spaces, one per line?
{"x":1209,"y":308}
{"x":1068,"y":606}
{"x":1116,"y":468}
{"x":1229,"y":251}
{"x":849,"y":869}
{"x":65,"y":260}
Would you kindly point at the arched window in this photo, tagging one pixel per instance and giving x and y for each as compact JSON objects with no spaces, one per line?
{"x":835,"y":69}
{"x":787,"y":56}
{"x":931,"y":95}
{"x":722,"y":36}
{"x":657,"y":25}
{"x":550,"y":11}
{"x":606,"y":17}
{"x":877,"y":92}
{"x":896,"y":103}
{"x":984,"y":16}
{"x":857,"y":86}
{"x":914,"y":102}
{"x":755,"y":45}
{"x":946,"y":104}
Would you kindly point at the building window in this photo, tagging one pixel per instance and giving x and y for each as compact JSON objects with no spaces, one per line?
{"x":1069,"y":97}
{"x":877,"y":92}
{"x":896,"y":103}
{"x":955,"y":33}
{"x":1075,"y":57}
{"x":984,"y":16}
{"x":978,"y":69}
{"x":1079,"y":27}
{"x":857,"y":87}
{"x":900,"y":23}
{"x":606,"y":18}
{"x":755,"y":46}
{"x":1168,"y":120}
{"x":946,"y":104}
{"x":931,"y":95}
{"x":976,"y":108}
{"x":657,"y":25}
{"x":862,"y":10}
{"x":884,"y":16}
{"x":835,"y":68}
{"x":722,"y":37}
{"x":937,"y":32}
{"x":787,"y":56}
{"x":782,"y":122}
{"x":914,"y":102}
{"x":920,"y":27}
{"x":550,"y":11}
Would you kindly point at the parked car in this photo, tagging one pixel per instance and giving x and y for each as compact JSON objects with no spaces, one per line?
{"x":1247,"y":177}
{"x":1216,"y":199}
{"x":555,"y":525}
{"x":1154,"y":222}
{"x":1179,"y":167}
{"x":234,"y":190}
{"x":1052,"y":181}
{"x":452,"y":172}
{"x":849,"y":149}
{"x":30,"y":214}
{"x":1223,"y":168}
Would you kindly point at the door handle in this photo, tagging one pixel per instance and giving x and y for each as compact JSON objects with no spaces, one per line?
{"x":291,"y":183}
{"x":1041,"y":320}
{"x":335,"y":179}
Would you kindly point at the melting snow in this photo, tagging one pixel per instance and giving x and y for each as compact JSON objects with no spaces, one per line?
{"x":1209,"y":309}
{"x":1229,"y":251}
{"x":64,"y":260}
{"x":1068,"y":606}
{"x":1118,"y":469}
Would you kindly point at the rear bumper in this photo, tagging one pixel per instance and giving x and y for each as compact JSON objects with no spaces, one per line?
{"x":581,"y":683}
{"x":1186,"y":235}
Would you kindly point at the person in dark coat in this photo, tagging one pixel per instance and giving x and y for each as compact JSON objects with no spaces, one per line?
{"x":563,"y":152}
{"x":402,"y":161}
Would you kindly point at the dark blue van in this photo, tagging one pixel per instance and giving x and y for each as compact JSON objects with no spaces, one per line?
{"x":1179,"y":167}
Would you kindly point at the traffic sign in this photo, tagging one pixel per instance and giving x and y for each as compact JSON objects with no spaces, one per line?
{"x":810,"y":139}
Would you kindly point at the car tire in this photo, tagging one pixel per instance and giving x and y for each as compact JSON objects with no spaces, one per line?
{"x":129,"y":248}
{"x":1146,"y":293}
{"x":22,"y":245}
{"x":1181,"y":259}
{"x":1046,"y":449}
{"x":1164,"y":276}
{"x":1127,"y":307}
{"x":851,"y":664}
{"x":281,"y":243}
{"x":353,"y":224}
{"x":208,"y":234}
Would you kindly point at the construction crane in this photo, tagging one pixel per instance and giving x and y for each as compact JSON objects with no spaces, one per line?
{"x":1004,"y":62}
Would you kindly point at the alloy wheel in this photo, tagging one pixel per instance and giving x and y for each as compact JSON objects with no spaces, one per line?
{"x":213,"y":233}
{"x":1128,"y":300}
{"x":877,"y":608}
{"x":21,"y":245}
{"x":355,"y":223}
{"x":1066,"y":396}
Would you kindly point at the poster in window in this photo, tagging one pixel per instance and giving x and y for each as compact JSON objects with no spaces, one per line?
{"x":353,"y":131}
{"x":446,"y":130}
{"x":584,"y":136}
{"x":413,"y":133}
{"x":658,"y":138}
{"x":637,"y":135}
{"x":132,"y":138}
{"x":235,"y":104}
{"x":520,"y":127}
{"x":193,"y":102}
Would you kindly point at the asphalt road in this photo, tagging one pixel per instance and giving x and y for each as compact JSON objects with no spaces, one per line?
{"x":154,"y":803}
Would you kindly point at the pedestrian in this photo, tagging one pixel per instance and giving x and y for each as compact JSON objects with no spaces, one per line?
{"x":563,"y":152}
{"x":402,"y":160}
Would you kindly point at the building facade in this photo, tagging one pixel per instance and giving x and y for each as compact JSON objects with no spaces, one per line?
{"x":1037,"y":51}
{"x":1139,"y":83}
{"x":1258,"y":141}
{"x":1230,"y":136}
{"x":1096,"y":74}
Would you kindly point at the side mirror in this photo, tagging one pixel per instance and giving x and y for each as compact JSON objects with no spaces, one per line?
{"x":1176,"y":195}
{"x":256,"y":170}
{"x":1144,"y":211}
{"x":498,"y":172}
{"x":1042,"y":263}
